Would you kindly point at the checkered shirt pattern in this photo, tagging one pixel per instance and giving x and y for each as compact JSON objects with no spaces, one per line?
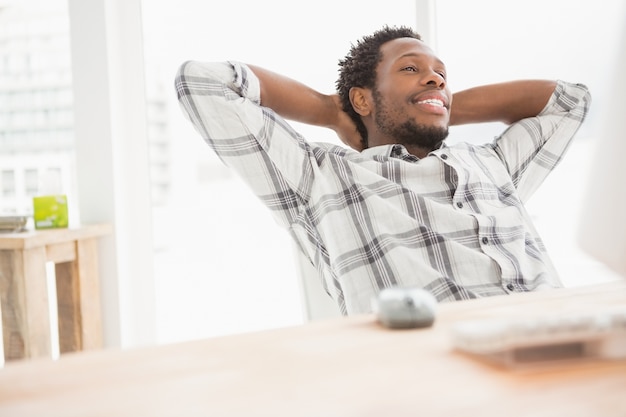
{"x":453,"y":223}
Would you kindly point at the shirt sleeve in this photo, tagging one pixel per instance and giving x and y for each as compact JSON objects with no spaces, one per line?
{"x":222,"y":101}
{"x":532,"y":147}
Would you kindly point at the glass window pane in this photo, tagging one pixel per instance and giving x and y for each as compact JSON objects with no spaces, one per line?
{"x":8,"y":183}
{"x":566,"y":40}
{"x":31,"y":182}
{"x":36,"y":116}
{"x":218,"y":251}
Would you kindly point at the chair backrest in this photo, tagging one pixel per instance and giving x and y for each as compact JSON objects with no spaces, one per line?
{"x":318,"y":305}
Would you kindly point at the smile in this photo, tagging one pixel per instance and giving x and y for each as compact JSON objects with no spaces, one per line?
{"x":432,"y":101}
{"x":433,"y":104}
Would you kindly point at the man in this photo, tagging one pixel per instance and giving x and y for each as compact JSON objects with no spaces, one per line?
{"x":403,"y":209}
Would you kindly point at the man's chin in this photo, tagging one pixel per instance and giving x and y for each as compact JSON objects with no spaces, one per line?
{"x":426,"y":137}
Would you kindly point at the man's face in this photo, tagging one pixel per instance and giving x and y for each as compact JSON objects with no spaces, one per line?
{"x":411,"y":100}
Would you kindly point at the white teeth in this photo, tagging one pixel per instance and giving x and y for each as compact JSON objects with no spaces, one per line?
{"x":432,"y":101}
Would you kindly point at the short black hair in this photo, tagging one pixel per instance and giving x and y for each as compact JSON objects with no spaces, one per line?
{"x":358,"y":68}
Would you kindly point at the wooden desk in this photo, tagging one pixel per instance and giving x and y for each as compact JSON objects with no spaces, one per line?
{"x":24,"y":300}
{"x":341,"y":367}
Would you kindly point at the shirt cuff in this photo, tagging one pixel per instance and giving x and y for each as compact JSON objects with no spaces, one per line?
{"x":246,"y":82}
{"x":567,"y":97}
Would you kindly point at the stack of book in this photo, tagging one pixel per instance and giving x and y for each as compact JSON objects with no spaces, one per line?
{"x":13,"y":223}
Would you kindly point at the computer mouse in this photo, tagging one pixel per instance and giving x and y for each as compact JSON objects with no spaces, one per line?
{"x":405,"y":308}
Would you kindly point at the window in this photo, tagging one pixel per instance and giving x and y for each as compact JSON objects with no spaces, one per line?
{"x":216,"y":243}
{"x":31,"y":182}
{"x":538,"y":39}
{"x":8,"y":183}
{"x":36,"y":91}
{"x":219,"y":252}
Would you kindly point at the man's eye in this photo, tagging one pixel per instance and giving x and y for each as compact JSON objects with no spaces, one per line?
{"x":410,"y":68}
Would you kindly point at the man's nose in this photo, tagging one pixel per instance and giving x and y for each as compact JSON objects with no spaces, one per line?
{"x":434,"y":78}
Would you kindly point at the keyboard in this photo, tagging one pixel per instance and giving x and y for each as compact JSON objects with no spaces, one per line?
{"x":544,"y":339}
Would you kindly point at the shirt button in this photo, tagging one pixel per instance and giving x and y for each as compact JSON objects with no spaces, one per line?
{"x":459,"y":204}
{"x":485,"y":240}
{"x":444,"y":156}
{"x":510,"y":287}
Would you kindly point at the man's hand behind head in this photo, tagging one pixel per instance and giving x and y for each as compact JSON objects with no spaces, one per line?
{"x":345,"y":127}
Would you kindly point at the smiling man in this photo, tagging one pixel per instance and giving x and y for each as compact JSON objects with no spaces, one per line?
{"x":401,"y":208}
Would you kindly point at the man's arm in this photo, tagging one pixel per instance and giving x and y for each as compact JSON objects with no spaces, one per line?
{"x":295,"y":101}
{"x":506,"y":102}
{"x":532,"y":147}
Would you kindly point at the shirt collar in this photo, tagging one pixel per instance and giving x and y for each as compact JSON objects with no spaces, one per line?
{"x":394,"y":151}
{"x":382,"y":150}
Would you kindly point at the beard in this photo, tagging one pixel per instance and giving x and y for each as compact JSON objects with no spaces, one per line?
{"x":408,"y":132}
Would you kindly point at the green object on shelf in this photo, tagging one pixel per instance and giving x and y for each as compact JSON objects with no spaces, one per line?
{"x":50,"y":211}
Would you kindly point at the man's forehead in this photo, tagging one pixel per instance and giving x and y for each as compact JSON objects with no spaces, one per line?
{"x":406,"y":47}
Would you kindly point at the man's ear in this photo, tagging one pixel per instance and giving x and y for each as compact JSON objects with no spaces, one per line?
{"x":361,"y":99}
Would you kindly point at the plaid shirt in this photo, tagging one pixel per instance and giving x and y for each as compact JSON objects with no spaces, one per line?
{"x":453,"y":223}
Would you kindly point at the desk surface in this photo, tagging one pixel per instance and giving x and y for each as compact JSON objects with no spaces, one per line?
{"x":34,"y":238}
{"x":340,"y":367}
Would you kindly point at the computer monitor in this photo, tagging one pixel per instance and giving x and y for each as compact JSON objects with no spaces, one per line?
{"x":602,"y":228}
